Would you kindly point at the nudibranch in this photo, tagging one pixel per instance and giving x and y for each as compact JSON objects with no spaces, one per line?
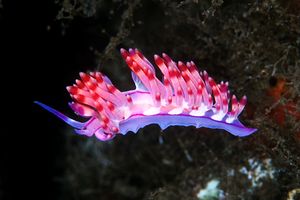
{"x":184,"y":97}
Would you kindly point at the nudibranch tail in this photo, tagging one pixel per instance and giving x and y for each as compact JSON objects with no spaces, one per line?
{"x":184,"y":97}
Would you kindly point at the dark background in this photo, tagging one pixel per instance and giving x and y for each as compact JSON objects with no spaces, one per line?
{"x":36,"y":63}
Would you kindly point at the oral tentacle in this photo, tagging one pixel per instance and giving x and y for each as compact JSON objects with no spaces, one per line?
{"x":71,"y":122}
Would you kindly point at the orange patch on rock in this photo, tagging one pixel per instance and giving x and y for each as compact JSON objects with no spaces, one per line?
{"x":282,"y":110}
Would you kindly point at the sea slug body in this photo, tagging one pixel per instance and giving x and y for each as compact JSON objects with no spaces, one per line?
{"x":184,"y":97}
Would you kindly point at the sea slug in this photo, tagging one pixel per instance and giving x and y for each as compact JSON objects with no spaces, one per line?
{"x":184,"y":97}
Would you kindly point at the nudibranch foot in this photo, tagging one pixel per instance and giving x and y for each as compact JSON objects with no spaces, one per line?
{"x":165,"y":120}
